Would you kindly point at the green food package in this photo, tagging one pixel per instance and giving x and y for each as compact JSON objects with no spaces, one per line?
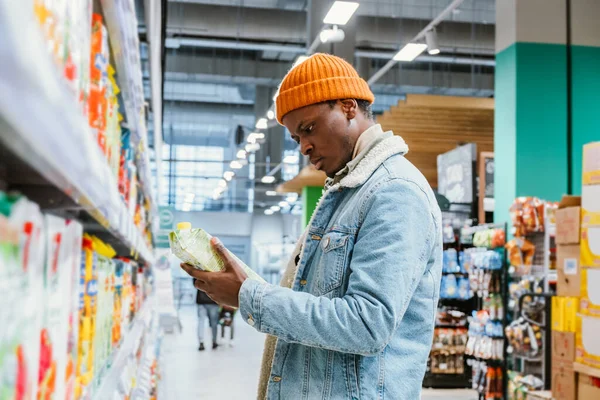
{"x":192,"y":246}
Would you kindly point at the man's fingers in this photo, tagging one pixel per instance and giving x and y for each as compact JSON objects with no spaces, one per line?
{"x":222,"y":252}
{"x":196,"y":273}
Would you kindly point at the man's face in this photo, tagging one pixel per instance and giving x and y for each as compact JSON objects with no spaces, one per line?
{"x":325,"y":134}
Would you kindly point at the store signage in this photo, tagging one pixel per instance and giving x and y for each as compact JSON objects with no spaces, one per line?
{"x":455,"y":174}
{"x":166,"y":219}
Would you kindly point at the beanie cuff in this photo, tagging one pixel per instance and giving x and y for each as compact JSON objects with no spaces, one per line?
{"x":314,"y":92}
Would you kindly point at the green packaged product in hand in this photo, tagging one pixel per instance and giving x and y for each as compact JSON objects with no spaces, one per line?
{"x":193,"y":247}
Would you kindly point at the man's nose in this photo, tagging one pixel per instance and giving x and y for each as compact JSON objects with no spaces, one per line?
{"x":305,"y":147}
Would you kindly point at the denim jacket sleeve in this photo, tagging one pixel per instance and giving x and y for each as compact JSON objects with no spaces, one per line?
{"x":390,"y":254}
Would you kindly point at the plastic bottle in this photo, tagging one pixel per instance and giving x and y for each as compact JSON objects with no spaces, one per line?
{"x":193,"y":246}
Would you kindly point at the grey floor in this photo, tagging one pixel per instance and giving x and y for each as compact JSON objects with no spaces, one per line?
{"x":228,"y":372}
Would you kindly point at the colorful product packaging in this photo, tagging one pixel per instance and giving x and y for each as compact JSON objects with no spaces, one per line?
{"x":98,"y":102}
{"x":21,"y":309}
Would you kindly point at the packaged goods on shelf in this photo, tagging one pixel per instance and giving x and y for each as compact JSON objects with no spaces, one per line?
{"x":450,"y":317}
{"x":519,"y":386}
{"x":520,"y":255}
{"x":62,"y":244}
{"x":527,"y":215}
{"x":524,"y":338}
{"x":447,"y":351}
{"x":22,"y":252}
{"x":487,"y":380}
{"x":486,"y":337}
{"x":564,"y":313}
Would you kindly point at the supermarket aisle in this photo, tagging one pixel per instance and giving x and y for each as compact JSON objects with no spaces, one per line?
{"x":229,"y":372}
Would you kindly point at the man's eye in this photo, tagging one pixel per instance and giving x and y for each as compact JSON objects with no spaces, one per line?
{"x":310,"y":129}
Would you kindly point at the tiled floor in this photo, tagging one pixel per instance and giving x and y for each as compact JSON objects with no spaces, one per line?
{"x":229,"y":372}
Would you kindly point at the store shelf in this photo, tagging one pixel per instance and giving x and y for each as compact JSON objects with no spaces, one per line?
{"x":110,"y":378}
{"x":46,"y":146}
{"x":121,"y":23}
{"x":585,"y":369}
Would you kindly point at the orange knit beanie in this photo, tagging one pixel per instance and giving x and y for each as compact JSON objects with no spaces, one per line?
{"x":319,"y":78}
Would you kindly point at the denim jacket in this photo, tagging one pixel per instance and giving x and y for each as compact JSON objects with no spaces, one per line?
{"x":357,"y":321}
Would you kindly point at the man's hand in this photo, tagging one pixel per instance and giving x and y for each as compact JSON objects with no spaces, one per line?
{"x":223,"y":287}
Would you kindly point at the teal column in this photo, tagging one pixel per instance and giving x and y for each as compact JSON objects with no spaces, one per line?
{"x":310,"y":198}
{"x":585,"y":82}
{"x":530,"y":128}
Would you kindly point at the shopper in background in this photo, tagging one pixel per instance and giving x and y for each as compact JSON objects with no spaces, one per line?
{"x":210,"y":309}
{"x":226,"y":320}
{"x":355,"y":316}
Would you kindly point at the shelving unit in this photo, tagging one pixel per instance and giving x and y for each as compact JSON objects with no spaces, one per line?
{"x":113,"y":373}
{"x":46,"y":148}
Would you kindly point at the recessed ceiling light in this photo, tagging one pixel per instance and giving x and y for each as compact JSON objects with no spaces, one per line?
{"x":290,"y":159}
{"x":270,"y":114}
{"x":268,"y":179}
{"x":410,"y":52}
{"x":228,"y":175}
{"x":340,"y":12}
{"x":271,"y":193}
{"x":241,"y":154}
{"x":235,"y":164}
{"x":261,"y":123}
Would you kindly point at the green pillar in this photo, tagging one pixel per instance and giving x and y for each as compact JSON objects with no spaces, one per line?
{"x":585,"y":81}
{"x":530,"y":132}
{"x":310,"y":198}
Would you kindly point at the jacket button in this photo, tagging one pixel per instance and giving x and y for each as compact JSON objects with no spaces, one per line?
{"x":276,"y":379}
{"x":303,"y":282}
{"x":315,"y":237}
{"x":250,"y":320}
{"x":326,"y":243}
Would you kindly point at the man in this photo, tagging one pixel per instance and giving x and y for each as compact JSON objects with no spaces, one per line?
{"x":355,"y":316}
{"x":207,"y":309}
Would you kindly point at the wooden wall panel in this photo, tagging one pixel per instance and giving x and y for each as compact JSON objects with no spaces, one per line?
{"x":432,"y":125}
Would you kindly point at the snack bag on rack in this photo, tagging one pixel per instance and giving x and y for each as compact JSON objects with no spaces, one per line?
{"x":193,"y":246}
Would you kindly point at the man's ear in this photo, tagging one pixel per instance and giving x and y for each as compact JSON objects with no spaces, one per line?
{"x":349,"y":107}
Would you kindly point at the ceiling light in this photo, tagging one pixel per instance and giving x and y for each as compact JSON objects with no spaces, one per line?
{"x":299,"y":61}
{"x":241,"y":154}
{"x":269,"y":212}
{"x":189,"y":197}
{"x":275,"y":208}
{"x":186,"y":207}
{"x":283,"y":204}
{"x":290,"y":159}
{"x":410,"y":52}
{"x":216,"y":196}
{"x":271,"y":193}
{"x":268,"y":179}
{"x":228,"y":175}
{"x":255,"y":136}
{"x":222,"y":183}
{"x":291,"y":197}
{"x":252,"y":147}
{"x":270,"y":114}
{"x":332,"y":35}
{"x":340,"y":12}
{"x":432,"y":42}
{"x":261,"y":123}
{"x":235,"y":165}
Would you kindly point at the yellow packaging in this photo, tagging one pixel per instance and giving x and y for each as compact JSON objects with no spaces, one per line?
{"x":591,"y":164}
{"x":564,"y":313}
{"x":558,"y":313}
{"x":570,"y":318}
{"x":588,"y":341}
{"x":590,"y":293}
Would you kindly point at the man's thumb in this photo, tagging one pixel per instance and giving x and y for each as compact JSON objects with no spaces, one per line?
{"x":222,"y":252}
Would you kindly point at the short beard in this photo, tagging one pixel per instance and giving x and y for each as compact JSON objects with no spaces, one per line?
{"x":348,"y":148}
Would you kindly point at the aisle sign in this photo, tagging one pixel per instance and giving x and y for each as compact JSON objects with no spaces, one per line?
{"x":166,"y":220}
{"x":455,"y":174}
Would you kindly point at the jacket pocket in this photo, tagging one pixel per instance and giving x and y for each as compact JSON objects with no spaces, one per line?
{"x":334,"y":248}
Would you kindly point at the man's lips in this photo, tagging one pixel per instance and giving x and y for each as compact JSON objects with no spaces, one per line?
{"x":317,"y":162}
